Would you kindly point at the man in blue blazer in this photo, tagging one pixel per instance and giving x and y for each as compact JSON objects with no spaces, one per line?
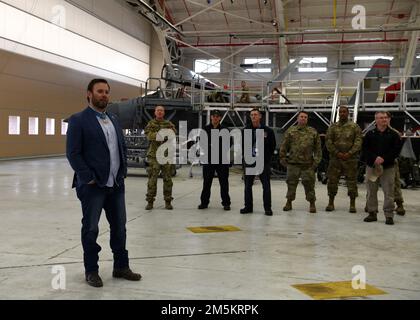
{"x":97,"y":153}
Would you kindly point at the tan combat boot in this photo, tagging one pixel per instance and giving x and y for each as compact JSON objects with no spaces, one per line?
{"x":288,"y":205}
{"x":312,"y":208}
{"x":330,"y":206}
{"x":400,"y":208}
{"x":168,"y":205}
{"x":352,"y":205}
{"x":149,"y":205}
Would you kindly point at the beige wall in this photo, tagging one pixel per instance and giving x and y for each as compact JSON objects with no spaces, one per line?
{"x":156,"y":60}
{"x":31,"y":88}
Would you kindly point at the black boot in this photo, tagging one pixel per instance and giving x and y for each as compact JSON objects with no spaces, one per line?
{"x":246,"y":210}
{"x":93,"y":279}
{"x":389,"y":221}
{"x":371,"y":217}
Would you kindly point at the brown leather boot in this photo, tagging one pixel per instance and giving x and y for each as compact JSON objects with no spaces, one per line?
{"x":352,"y":205}
{"x":400,"y":208}
{"x":330,"y":206}
{"x":149,"y":205}
{"x":288,"y":205}
{"x":126,"y":274}
{"x":168,"y":205}
{"x":312,"y":208}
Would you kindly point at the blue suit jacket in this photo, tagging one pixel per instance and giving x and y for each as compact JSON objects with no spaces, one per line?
{"x":87,"y":149}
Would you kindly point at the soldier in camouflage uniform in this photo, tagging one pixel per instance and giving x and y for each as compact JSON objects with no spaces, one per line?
{"x":301,"y":153}
{"x":398,"y":197}
{"x":245,"y":93}
{"x":344,"y":142}
{"x":152,"y":130}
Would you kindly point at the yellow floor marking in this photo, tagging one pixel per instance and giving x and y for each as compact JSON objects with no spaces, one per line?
{"x":209,"y":229}
{"x":333,"y":290}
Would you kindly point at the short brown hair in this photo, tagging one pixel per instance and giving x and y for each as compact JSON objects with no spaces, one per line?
{"x":92,"y":83}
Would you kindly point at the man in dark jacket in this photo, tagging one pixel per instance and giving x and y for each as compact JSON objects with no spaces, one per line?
{"x":269,"y":146}
{"x":97,"y":153}
{"x":381,"y":147}
{"x":215,"y":165}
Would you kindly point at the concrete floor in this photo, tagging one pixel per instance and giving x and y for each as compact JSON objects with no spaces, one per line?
{"x":40,"y":227}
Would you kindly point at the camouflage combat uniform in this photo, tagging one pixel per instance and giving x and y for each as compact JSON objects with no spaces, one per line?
{"x":301,"y":153}
{"x":155,"y":167}
{"x":345,"y":137}
{"x":245,"y":95}
{"x":397,"y":188}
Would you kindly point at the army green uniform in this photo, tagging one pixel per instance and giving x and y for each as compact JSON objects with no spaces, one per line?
{"x":398,"y":197}
{"x":155,"y":167}
{"x":301,"y":153}
{"x":345,"y":137}
{"x":245,"y":95}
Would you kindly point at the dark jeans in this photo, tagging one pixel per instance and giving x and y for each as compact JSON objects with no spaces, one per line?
{"x":93,"y":200}
{"x":265,"y":180}
{"x":223,"y":176}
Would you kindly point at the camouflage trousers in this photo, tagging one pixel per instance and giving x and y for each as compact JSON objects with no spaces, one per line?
{"x":294,"y":172}
{"x":338,"y":168}
{"x":153,"y":172}
{"x":398,"y":197}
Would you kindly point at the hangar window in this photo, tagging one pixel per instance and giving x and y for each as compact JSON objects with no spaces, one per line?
{"x":312,"y":64}
{"x":207,"y":66}
{"x":33,"y":126}
{"x":14,"y":125}
{"x":313,"y":69}
{"x":364,"y":58}
{"x":50,"y":127}
{"x":365,"y":63}
{"x":260,"y":65}
{"x":64,"y":126}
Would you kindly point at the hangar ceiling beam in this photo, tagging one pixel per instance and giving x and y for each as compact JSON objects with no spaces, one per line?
{"x":231,"y":14}
{"x":235,"y":67}
{"x":200,"y":12}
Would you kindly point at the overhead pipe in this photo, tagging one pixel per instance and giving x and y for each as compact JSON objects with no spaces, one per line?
{"x":243,"y":44}
{"x":210,"y":34}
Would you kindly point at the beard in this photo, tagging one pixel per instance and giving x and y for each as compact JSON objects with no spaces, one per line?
{"x":100,"y":104}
